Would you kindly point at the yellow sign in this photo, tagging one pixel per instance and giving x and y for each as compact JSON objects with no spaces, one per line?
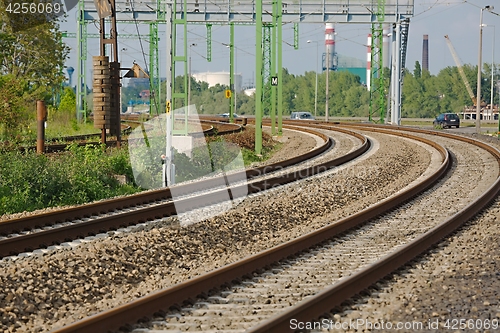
{"x":228,"y":93}
{"x":168,"y":106}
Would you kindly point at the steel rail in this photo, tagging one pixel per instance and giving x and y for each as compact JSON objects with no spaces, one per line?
{"x":478,"y":143}
{"x":175,"y":295}
{"x":28,"y":242}
{"x":338,"y":293}
{"x":52,"y":148}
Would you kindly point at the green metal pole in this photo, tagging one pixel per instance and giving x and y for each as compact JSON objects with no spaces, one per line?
{"x":231,"y":72}
{"x":296,"y":36}
{"x":81,"y":86}
{"x":258,"y":77}
{"x":273,"y":68}
{"x":186,"y":76}
{"x":169,"y":102}
{"x":173,"y":50}
{"x":280,"y":69}
{"x":209,"y":42}
{"x":154,"y":76}
{"x":182,"y":95}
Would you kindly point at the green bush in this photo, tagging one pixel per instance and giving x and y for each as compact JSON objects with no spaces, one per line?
{"x":29,"y":181}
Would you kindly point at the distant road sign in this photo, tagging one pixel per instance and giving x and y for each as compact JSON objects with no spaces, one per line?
{"x":228,"y":93}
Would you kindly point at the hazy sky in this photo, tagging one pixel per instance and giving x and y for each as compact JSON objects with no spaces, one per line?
{"x":457,"y":18}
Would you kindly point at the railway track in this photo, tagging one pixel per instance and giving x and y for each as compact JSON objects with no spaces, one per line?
{"x":314,"y":305}
{"x":33,"y":261}
{"x":210,"y":128}
{"x":39,"y":231}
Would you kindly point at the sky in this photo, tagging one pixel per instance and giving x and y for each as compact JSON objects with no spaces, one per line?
{"x":458,"y":19}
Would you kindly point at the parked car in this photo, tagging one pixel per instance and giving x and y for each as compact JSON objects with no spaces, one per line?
{"x":447,"y":120}
{"x":226,"y":115}
{"x":301,"y":116}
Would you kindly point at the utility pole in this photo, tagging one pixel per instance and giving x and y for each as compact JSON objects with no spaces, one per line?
{"x":169,"y":119}
{"x":316,"y":89}
{"x":480,"y":60}
{"x":189,"y":77}
{"x":232,"y":100}
{"x":492,"y":71}
{"x":258,"y":77}
{"x":479,"y":63}
{"x":492,"y":67}
{"x":327,"y":81}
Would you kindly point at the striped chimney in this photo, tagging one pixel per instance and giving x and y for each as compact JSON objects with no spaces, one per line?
{"x":425,"y":53}
{"x":329,"y":44}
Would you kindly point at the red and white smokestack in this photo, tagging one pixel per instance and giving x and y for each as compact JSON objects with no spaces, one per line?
{"x":329,"y":44}
{"x":368,"y":61}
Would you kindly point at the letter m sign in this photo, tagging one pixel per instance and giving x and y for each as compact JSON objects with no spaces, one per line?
{"x":274,"y":80}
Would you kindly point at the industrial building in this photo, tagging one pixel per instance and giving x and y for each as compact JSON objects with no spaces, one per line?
{"x":222,"y":78}
{"x":354,"y":66}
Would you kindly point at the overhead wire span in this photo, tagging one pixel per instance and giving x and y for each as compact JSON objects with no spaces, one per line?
{"x":450,"y":4}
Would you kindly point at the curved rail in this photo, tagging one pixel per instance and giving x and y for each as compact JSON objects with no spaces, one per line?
{"x":164,"y":299}
{"x":345,"y":289}
{"x":44,"y":238}
{"x":52,"y":148}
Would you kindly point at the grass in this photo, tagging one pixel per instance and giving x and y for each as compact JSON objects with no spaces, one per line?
{"x":416,"y":122}
{"x":57,"y":129}
{"x":30,"y":181}
{"x":65,"y":124}
{"x":57,"y":126}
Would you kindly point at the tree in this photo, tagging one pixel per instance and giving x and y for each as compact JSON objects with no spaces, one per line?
{"x":289,"y":91}
{"x":451,"y":88}
{"x":12,"y":109}
{"x":68,"y":101}
{"x":31,"y":65}
{"x":36,"y":55}
{"x":417,"y":72}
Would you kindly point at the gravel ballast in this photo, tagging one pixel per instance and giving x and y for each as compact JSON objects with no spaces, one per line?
{"x":256,"y":299}
{"x":457,"y":280}
{"x":47,"y":291}
{"x":456,"y":283}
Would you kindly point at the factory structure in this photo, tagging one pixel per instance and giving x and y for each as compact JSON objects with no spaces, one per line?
{"x":222,"y":78}
{"x":425,"y":53}
{"x":353,"y":65}
{"x":330,"y":59}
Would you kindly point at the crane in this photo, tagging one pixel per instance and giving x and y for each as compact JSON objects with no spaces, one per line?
{"x":461,"y":71}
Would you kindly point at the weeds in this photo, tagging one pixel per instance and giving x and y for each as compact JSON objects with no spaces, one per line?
{"x":246,"y":140}
{"x":29,"y":181}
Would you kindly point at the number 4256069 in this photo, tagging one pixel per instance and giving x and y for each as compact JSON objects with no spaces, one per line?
{"x":33,"y":8}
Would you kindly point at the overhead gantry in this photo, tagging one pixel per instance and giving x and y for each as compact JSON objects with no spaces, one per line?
{"x":268,"y":16}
